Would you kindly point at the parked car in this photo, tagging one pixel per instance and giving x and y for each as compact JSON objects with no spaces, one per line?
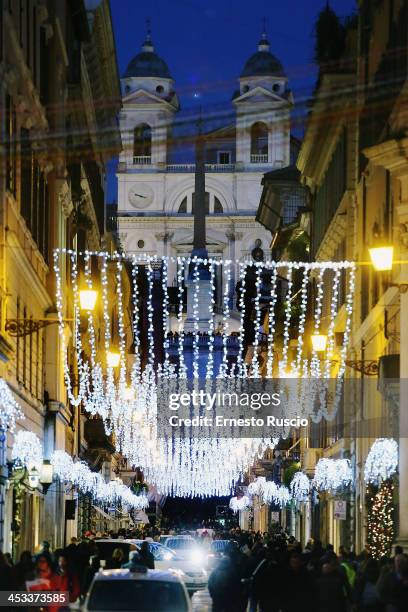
{"x":137,"y":591}
{"x":106,"y":546}
{"x":193,"y":574}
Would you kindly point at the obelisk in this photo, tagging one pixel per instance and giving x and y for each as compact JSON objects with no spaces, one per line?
{"x":202,"y":314}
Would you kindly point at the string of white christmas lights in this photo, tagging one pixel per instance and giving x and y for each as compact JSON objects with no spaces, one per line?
{"x":300,"y":487}
{"x":271,"y":322}
{"x":27,"y":449}
{"x":10,"y":411}
{"x":257,"y":323}
{"x":239,"y":503}
{"x":332,"y":474}
{"x":180,"y":323}
{"x":382,"y":461}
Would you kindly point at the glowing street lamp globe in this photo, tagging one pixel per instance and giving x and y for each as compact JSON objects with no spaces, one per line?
{"x":319,"y":342}
{"x":87,"y":299}
{"x":113,"y":359}
{"x":382,"y":257}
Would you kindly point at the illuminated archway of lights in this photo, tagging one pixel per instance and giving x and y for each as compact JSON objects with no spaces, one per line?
{"x":126,"y":396}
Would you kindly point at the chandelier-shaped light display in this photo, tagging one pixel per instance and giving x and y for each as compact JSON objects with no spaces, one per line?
{"x":300,"y":487}
{"x":382,"y":461}
{"x":269,"y":492}
{"x":10,"y":411}
{"x":27,"y":449}
{"x":79,"y":474}
{"x":240,"y":503}
{"x":126,"y":396}
{"x":332,"y":475}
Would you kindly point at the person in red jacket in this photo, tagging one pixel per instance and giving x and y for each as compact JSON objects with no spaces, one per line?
{"x":67,"y":579}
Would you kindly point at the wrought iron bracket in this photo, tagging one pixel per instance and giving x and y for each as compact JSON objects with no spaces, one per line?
{"x":25,"y":327}
{"x":368,"y":367}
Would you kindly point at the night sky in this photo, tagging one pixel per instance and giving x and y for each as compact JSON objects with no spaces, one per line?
{"x":206,"y":43}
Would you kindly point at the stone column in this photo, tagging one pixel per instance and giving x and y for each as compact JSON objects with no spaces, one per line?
{"x":402,"y":210}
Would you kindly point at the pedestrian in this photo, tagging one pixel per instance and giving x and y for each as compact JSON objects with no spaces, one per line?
{"x":393,"y":585}
{"x":117,"y":559}
{"x":91,"y":570}
{"x":365,"y":594}
{"x":7,"y":582}
{"x":298,"y":587}
{"x":266,"y":582}
{"x":332,"y":590}
{"x":67,"y":580}
{"x":45,"y":578}
{"x":24,"y":570}
{"x":225,"y":584}
{"x":146,"y":556}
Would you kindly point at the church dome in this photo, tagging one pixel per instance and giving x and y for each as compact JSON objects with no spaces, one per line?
{"x":263,"y":63}
{"x":147,"y":64}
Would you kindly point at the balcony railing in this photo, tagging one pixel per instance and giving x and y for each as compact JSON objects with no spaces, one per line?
{"x":142,"y":160}
{"x":259,"y":159}
{"x":208,"y":167}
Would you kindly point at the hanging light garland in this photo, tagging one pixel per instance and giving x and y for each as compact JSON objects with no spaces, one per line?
{"x":331,"y":475}
{"x":269,"y":492}
{"x":239,"y":503}
{"x":27,"y":450}
{"x":300,"y":487}
{"x":382,"y":461}
{"x":10,"y":410}
{"x":79,"y":474}
{"x":178,"y":466}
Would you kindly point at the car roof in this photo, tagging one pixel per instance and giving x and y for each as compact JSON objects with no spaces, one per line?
{"x":113,"y":540}
{"x":126,"y":574}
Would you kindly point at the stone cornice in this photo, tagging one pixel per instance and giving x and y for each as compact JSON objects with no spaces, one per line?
{"x":391,"y":155}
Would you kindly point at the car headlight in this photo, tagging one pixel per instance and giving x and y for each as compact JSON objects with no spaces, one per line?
{"x":197,"y":556}
{"x":167,"y":556}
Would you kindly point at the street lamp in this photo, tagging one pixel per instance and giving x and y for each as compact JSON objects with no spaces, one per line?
{"x":87,"y":299}
{"x":46,"y":475}
{"x":319,"y":342}
{"x":382,"y":257}
{"x":113,"y":359}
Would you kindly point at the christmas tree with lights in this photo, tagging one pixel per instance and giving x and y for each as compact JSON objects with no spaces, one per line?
{"x":380,"y":521}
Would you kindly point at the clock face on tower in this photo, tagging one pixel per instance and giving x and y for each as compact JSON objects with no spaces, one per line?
{"x":140,"y":195}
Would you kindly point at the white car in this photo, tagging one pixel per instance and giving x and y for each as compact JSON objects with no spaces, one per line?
{"x":137,"y":591}
{"x":191,"y":571}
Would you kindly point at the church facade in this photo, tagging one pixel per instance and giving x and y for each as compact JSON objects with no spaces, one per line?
{"x":156,"y":196}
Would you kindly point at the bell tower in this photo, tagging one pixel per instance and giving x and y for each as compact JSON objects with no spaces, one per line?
{"x":149,"y":105}
{"x":263,"y":105}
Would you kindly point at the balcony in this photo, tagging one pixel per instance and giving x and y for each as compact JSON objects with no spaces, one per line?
{"x":142,"y":160}
{"x":259,"y":159}
{"x":208,"y":168}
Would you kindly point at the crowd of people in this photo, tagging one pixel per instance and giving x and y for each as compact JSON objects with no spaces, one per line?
{"x":263,"y":573}
{"x":258,"y":573}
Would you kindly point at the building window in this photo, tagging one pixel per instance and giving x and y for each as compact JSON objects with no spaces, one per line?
{"x":224,"y":157}
{"x":276,"y":87}
{"x":245,"y":88}
{"x":34,"y":196}
{"x":160,"y":89}
{"x":142,"y":144}
{"x":183,"y":206}
{"x":140,"y":244}
{"x":259,"y":142}
{"x":11,"y":146}
{"x":218,"y":209}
